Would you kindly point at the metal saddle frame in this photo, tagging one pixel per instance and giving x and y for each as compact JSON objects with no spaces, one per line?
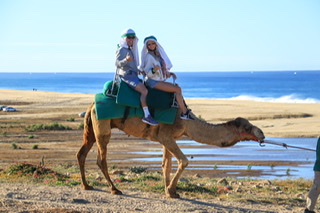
{"x":115,"y":83}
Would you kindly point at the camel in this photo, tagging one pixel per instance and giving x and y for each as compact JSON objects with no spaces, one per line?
{"x":222,"y":135}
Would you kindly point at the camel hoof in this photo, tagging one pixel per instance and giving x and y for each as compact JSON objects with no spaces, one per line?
{"x":87,"y":187}
{"x":116,"y":192}
{"x":175,"y":195}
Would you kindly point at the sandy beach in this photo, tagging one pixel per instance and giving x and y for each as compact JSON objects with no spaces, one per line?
{"x":275,"y":119}
{"x":291,"y":120}
{"x":60,"y":147}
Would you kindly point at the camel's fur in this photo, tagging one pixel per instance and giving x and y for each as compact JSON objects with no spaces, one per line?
{"x":222,"y":135}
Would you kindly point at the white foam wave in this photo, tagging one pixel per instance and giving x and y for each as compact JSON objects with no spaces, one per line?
{"x":283,"y":99}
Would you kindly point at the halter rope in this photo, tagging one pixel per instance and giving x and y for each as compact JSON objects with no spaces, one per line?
{"x":284,"y":145}
{"x":274,"y":143}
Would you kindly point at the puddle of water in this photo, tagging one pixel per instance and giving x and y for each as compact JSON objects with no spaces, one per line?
{"x":250,"y":151}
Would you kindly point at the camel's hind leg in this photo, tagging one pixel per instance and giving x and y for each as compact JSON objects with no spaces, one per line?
{"x":88,"y":141}
{"x":102,"y":131}
{"x":82,"y":155}
{"x":102,"y":163}
{"x":166,"y":166}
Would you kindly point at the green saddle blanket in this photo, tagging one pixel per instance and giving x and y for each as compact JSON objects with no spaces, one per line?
{"x":159,"y":104}
{"x":129,"y":97}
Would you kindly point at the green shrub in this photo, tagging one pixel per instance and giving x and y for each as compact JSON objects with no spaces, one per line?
{"x":147,"y":177}
{"x":14,"y":146}
{"x":22,"y":169}
{"x":40,"y":173}
{"x":35,"y":146}
{"x":4,"y":134}
{"x":288,"y":171}
{"x":249,"y":167}
{"x":71,"y":119}
{"x":189,"y":187}
{"x":81,"y":126}
{"x":137,"y":170}
{"x":53,"y":126}
{"x":113,"y":166}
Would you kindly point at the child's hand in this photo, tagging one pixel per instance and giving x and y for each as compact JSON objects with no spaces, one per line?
{"x":174,"y":76}
{"x":156,"y":68}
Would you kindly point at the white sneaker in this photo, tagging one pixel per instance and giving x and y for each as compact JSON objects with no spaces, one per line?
{"x":186,"y":116}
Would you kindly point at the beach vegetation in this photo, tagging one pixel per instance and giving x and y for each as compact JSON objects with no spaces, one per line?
{"x":113,"y":166}
{"x":15,"y":146}
{"x":249,"y":167}
{"x":137,"y":170}
{"x":272,"y":166}
{"x":52,"y":126}
{"x":146,"y":177}
{"x":197,"y":188}
{"x":71,"y":119}
{"x":80,"y":126}
{"x":67,"y":168}
{"x":5,"y":134}
{"x":32,"y":173}
{"x":288,"y":171}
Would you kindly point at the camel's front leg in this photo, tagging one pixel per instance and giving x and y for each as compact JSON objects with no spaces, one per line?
{"x":171,"y":190}
{"x":166,"y":166}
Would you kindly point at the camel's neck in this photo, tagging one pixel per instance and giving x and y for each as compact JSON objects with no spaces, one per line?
{"x":221,"y":135}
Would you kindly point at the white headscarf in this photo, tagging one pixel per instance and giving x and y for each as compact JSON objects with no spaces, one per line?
{"x":163,"y":54}
{"x":123,"y":43}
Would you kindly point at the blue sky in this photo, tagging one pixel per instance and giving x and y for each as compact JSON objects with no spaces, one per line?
{"x":202,"y":35}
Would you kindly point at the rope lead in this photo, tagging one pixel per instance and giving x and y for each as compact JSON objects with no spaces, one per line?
{"x":284,"y":145}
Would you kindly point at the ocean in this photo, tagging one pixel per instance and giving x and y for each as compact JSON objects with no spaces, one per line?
{"x":269,"y":86}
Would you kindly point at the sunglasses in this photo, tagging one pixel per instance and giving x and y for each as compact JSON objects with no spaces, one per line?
{"x":151,"y":44}
{"x":131,"y":37}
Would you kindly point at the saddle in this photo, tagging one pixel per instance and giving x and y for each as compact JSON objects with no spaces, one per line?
{"x":121,"y":101}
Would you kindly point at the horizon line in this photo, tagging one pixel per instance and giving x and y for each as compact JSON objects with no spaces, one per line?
{"x":306,"y":70}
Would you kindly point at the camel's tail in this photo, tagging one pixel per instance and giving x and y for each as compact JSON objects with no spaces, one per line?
{"x":88,"y":134}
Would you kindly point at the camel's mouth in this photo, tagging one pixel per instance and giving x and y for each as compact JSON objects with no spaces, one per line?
{"x":253,"y":137}
{"x":259,"y":139}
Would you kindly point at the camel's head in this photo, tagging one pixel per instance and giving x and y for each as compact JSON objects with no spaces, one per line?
{"x":248,"y":131}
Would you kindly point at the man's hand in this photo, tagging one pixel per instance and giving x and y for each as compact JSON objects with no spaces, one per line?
{"x":128,"y":57}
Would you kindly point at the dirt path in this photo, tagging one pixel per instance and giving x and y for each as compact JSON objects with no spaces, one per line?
{"x":35,"y":198}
